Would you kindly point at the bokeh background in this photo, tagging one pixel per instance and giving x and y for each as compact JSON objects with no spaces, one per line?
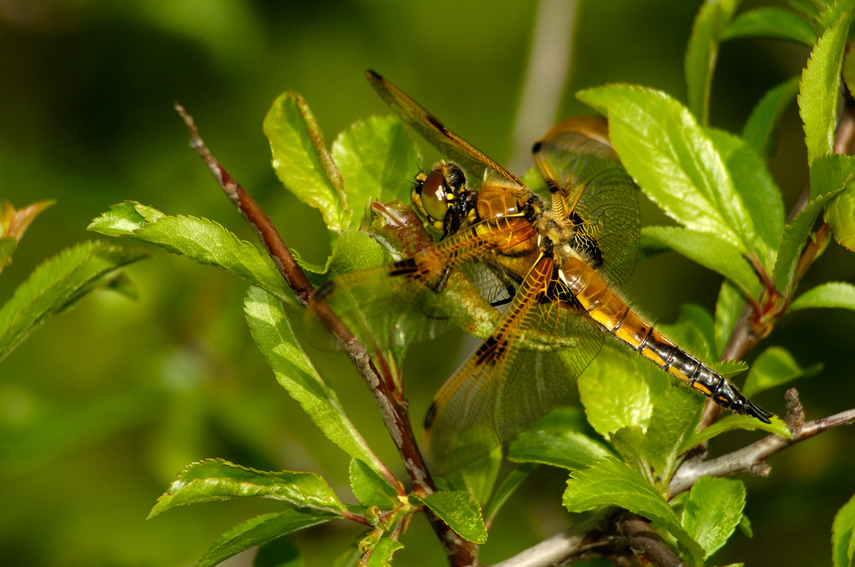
{"x":101,"y":407}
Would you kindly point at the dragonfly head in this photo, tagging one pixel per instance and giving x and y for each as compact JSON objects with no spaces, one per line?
{"x":440,"y":197}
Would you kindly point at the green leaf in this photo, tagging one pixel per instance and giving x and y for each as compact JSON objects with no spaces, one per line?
{"x":829,"y":294}
{"x":818,"y":91}
{"x":793,"y":242}
{"x":831,"y":172}
{"x":377,"y":160}
{"x":808,"y":8}
{"x":710,"y":252}
{"x":57,"y":284}
{"x":279,"y":552}
{"x":353,"y":250}
{"x":201,"y":240}
{"x":831,"y":13}
{"x":757,"y":191}
{"x":478,"y":477}
{"x":713,"y":510}
{"x":728,"y":308}
{"x":843,"y":536}
{"x":460,"y":511}
{"x":613,"y":483}
{"x":772,"y":23}
{"x":759,"y":130}
{"x":774,"y":366}
{"x":702,"y":52}
{"x":294,"y":371}
{"x":382,"y":553}
{"x":551,"y":444}
{"x":508,"y":486}
{"x":674,"y":161}
{"x":614,"y":394}
{"x":301,"y":160}
{"x":840,"y":216}
{"x":675,"y":415}
{"x":734,"y":422}
{"x":370,"y":488}
{"x":216,"y":479}
{"x":828,"y":173}
{"x":261,"y":529}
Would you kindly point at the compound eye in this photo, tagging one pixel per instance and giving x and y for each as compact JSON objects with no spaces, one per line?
{"x":434,"y":196}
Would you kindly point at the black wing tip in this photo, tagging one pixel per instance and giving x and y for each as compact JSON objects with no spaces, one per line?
{"x":373,"y":75}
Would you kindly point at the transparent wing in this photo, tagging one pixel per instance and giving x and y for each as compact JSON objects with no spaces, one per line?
{"x":392,"y":305}
{"x":539,"y":346}
{"x":431,"y":129}
{"x":579,"y":165}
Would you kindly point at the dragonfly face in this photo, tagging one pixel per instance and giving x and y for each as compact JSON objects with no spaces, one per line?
{"x":557,"y":260}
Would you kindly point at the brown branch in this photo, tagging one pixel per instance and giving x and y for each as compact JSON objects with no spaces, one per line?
{"x":645,"y":542}
{"x":461,"y":553}
{"x":752,"y":459}
{"x":610,"y":532}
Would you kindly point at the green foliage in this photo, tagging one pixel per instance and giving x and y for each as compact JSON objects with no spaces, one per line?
{"x":843,"y":536}
{"x":460,"y":511}
{"x":611,"y":482}
{"x":59,"y":282}
{"x":712,"y":511}
{"x":640,"y":425}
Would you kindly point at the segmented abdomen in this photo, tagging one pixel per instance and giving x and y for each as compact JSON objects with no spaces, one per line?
{"x":607,"y":308}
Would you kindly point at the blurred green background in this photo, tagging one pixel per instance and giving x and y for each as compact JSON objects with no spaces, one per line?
{"x":101,"y":407}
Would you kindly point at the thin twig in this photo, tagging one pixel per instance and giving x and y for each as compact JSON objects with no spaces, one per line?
{"x":461,"y":553}
{"x":752,"y":459}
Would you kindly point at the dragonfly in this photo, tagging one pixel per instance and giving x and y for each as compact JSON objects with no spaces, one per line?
{"x":555,"y":260}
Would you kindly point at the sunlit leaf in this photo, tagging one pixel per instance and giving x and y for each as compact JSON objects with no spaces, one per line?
{"x":711,"y":252}
{"x":818,"y":90}
{"x":459,"y":511}
{"x":674,"y":161}
{"x":734,"y":422}
{"x":830,"y":294}
{"x":613,"y":483}
{"x":675,"y":415}
{"x":377,"y":160}
{"x":793,"y":242}
{"x":831,"y":11}
{"x":57,"y":284}
{"x":702,"y":52}
{"x":216,"y":479}
{"x":302,"y":162}
{"x":295,"y":372}
{"x":201,"y":240}
{"x":557,"y":448}
{"x":773,"y":23}
{"x":840,"y":216}
{"x":382,"y":553}
{"x":261,"y":529}
{"x":843,"y":536}
{"x":370,"y":488}
{"x":614,"y":394}
{"x":758,"y":193}
{"x":775,"y":366}
{"x":713,"y":509}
